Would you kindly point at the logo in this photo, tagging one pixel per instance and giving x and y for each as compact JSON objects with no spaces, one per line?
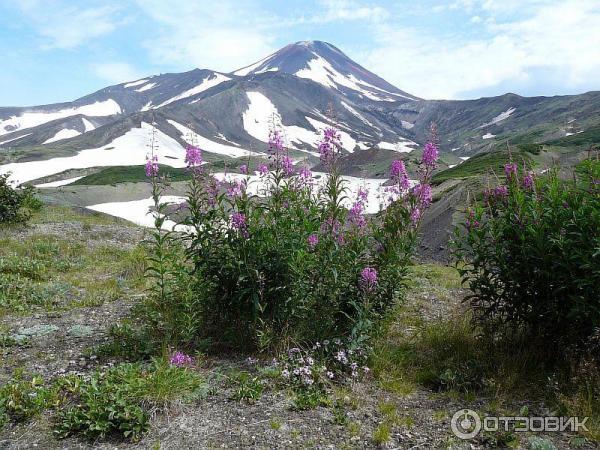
{"x":466,"y":424}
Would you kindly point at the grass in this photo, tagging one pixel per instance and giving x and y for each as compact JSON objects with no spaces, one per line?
{"x":483,"y":163}
{"x":52,"y":272}
{"x":587,"y":138}
{"x":136,"y":174}
{"x":128,"y":174}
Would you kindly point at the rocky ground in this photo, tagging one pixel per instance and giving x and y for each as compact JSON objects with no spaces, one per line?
{"x":54,"y":342}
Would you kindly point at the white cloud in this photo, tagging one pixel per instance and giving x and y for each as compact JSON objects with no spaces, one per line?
{"x":116,"y":72}
{"x":348,"y":10}
{"x":63,"y":25}
{"x":219,"y":35}
{"x":559,"y":40}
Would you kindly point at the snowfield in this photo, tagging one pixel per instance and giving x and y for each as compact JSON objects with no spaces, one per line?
{"x":488,"y":136}
{"x":403,"y":146}
{"x":127,"y":150}
{"x":15,"y":139}
{"x":135,"y":83}
{"x":206,"y":84}
{"x":65,"y":133}
{"x":30,"y":119}
{"x":357,"y":114}
{"x":500,"y":117}
{"x":260,"y":113}
{"x":89,"y":126}
{"x":322,"y":72}
{"x":138,"y":211}
{"x":206,"y":145}
{"x":146,"y":87}
{"x":58,"y":183}
{"x":257,"y":186}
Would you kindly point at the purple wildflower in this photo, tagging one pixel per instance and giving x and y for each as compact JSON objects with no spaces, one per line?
{"x":415,"y":216}
{"x":305,"y":173}
{"x":528,"y":180}
{"x":313,"y":240}
{"x":510,"y":170}
{"x":151,"y":166}
{"x":430,"y":155}
{"x":398,"y":174}
{"x":368,"y":278}
{"x":287,"y":165}
{"x":236,"y":189}
{"x":423,"y":194}
{"x":275,"y":143}
{"x":193,"y":156}
{"x":363,"y":195}
{"x":263,"y":169}
{"x":330,"y":145}
{"x":180,"y":359}
{"x":501,"y":191}
{"x":238,"y":220}
{"x":244,"y":169}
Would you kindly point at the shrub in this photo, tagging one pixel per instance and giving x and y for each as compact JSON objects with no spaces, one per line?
{"x":16,"y":204}
{"x":277,"y":257}
{"x":531,"y":254}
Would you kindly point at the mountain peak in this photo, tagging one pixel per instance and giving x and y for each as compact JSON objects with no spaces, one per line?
{"x":325,"y":64}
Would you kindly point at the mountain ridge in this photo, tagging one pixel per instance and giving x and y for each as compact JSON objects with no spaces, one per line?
{"x":229,"y":113}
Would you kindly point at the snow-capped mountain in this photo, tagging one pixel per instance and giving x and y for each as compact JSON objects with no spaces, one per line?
{"x":229,"y":115}
{"x":327,"y":65}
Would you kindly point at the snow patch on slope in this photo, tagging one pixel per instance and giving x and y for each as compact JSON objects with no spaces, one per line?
{"x":87,"y":125}
{"x":246,"y":70}
{"x":127,"y":150}
{"x":207,"y":145}
{"x":261,"y":112}
{"x":488,"y":136}
{"x":14,"y":139}
{"x":135,"y":83}
{"x":357,"y":114}
{"x":138,"y":211}
{"x":322,"y":72}
{"x":403,"y":146}
{"x":500,"y":117}
{"x":146,"y":87}
{"x":58,"y":183}
{"x":34,"y":118}
{"x":206,"y":84}
{"x":65,"y":133}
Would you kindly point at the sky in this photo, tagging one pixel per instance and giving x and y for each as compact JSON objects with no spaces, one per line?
{"x":60,"y":50}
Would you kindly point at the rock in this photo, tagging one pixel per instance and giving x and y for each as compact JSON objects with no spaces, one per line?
{"x":37,"y":330}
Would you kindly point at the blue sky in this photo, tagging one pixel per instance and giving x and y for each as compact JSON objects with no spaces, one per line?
{"x":59,"y":50}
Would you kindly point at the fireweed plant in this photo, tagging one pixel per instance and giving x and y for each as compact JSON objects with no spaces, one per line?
{"x":531,"y":254}
{"x":287,"y":263}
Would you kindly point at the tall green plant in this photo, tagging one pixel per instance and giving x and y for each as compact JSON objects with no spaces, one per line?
{"x":278,"y":256}
{"x":531,"y":255}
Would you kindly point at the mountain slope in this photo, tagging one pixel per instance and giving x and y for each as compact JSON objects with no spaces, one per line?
{"x":327,"y":65}
{"x":229,"y":115}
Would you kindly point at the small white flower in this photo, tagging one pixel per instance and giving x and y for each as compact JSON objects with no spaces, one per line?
{"x":330,"y":375}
